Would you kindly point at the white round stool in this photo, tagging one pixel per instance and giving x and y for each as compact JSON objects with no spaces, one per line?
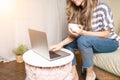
{"x":38,"y":68}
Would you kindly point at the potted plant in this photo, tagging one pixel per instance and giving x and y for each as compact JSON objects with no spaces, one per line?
{"x":19,"y":51}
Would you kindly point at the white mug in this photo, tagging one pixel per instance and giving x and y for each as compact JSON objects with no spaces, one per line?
{"x":74,"y":27}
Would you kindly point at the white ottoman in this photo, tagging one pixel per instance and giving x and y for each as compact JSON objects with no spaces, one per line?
{"x":38,"y":68}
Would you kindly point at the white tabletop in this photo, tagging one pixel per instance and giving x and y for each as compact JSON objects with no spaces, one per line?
{"x":34,"y":59}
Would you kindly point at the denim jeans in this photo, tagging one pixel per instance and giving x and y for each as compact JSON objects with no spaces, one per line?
{"x":87,"y":45}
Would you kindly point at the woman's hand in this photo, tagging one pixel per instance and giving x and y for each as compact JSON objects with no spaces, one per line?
{"x":75,"y":33}
{"x":56,"y":47}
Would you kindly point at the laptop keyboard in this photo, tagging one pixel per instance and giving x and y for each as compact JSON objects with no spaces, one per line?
{"x":53,"y":54}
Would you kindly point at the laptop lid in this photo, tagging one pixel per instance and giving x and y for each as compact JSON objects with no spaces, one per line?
{"x":39,"y":45}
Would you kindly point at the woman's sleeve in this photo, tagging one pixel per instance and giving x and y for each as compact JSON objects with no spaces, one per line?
{"x":108,"y":22}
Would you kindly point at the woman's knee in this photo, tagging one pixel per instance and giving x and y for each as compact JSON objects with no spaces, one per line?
{"x":84,"y":41}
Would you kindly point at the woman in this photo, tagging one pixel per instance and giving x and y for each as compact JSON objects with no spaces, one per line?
{"x":96,"y":34}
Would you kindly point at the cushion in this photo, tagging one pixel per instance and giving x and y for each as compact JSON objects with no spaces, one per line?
{"x":109,"y":61}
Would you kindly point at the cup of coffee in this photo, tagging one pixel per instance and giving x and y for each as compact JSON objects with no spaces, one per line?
{"x":74,"y":27}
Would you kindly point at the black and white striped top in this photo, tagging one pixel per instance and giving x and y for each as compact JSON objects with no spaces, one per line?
{"x":103,"y":20}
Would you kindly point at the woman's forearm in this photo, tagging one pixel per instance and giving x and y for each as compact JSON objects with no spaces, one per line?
{"x":67,"y":40}
{"x":103,"y":34}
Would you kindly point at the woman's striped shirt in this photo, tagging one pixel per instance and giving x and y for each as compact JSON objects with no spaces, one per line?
{"x":103,"y":20}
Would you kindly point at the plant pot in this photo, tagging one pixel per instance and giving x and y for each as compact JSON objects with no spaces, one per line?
{"x":19,"y":58}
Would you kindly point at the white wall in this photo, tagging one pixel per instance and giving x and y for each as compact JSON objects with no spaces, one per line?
{"x":7,"y":21}
{"x":115,"y":9}
{"x":45,"y":15}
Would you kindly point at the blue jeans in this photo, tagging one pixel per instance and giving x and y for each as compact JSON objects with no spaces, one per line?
{"x":87,"y":45}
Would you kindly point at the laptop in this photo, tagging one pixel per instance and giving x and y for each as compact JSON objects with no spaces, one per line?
{"x":39,"y":45}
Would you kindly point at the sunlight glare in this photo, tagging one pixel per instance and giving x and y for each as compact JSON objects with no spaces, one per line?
{"x":6,"y":5}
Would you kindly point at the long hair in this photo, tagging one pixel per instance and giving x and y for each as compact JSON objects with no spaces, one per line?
{"x":80,"y":15}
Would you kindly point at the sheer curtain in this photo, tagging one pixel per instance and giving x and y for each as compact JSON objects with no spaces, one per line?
{"x":45,"y":15}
